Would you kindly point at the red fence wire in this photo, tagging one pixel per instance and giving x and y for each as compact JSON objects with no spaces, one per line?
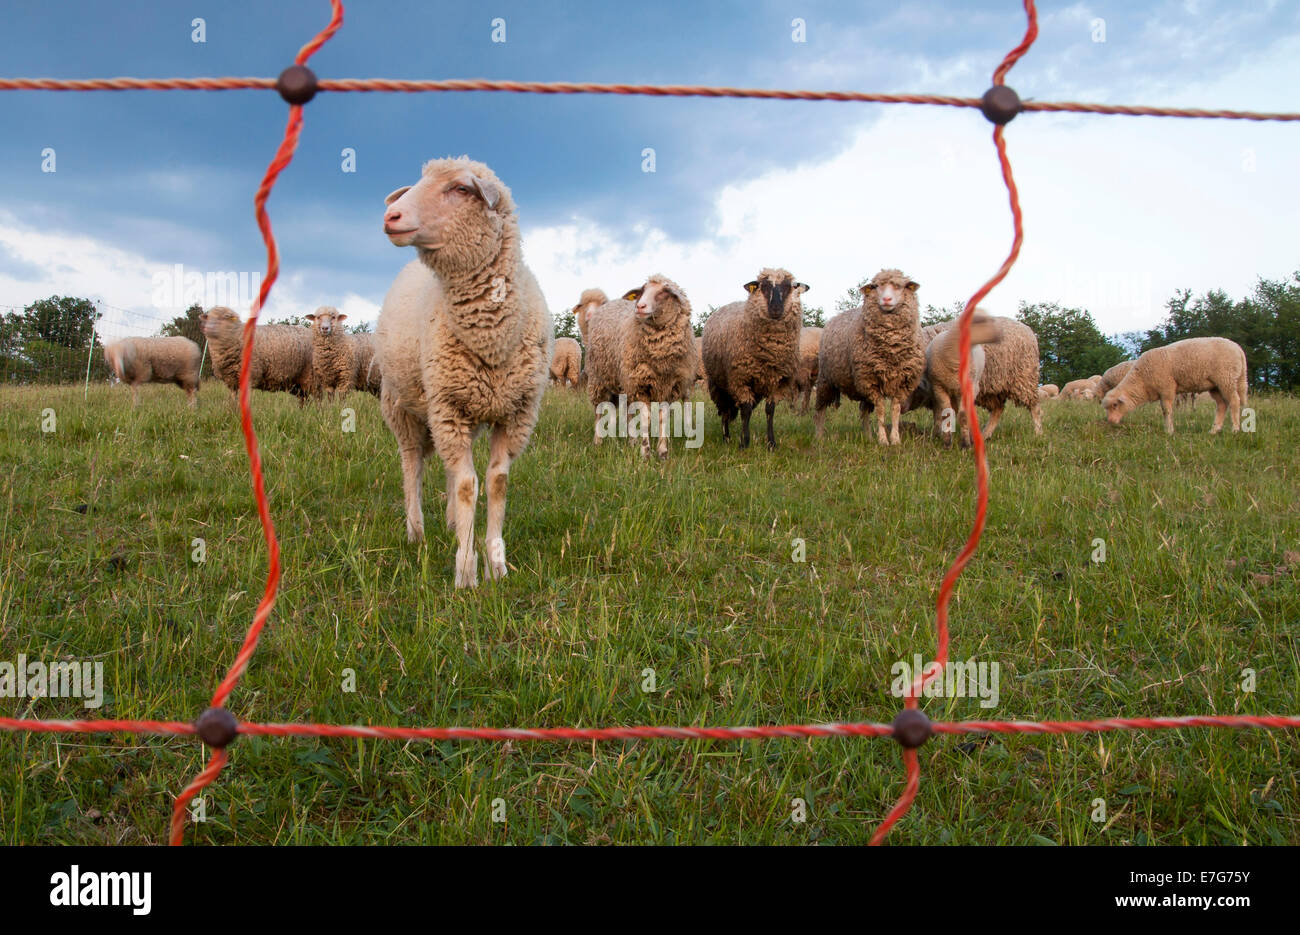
{"x":911,"y":728}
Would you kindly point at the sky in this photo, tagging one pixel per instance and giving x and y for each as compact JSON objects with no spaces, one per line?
{"x":1119,"y":211}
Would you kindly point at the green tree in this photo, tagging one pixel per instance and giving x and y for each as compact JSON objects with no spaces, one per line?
{"x":61,"y":320}
{"x":814,"y":317}
{"x":566,"y":325}
{"x":186,"y":326}
{"x":1070,"y":346}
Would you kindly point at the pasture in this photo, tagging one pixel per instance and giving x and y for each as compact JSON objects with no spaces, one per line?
{"x":620,"y":566}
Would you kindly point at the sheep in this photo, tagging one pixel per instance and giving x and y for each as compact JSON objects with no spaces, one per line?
{"x":1010,"y":374}
{"x":642,"y":347}
{"x":156,"y":360}
{"x":700,"y":372}
{"x":1192,"y":365}
{"x":941,"y":386}
{"x":1079,"y":389}
{"x":805,"y":378}
{"x":751,"y":350}
{"x":1110,"y":379}
{"x":369,"y":375}
{"x":464,"y":341}
{"x":281,"y":356}
{"x":567,"y":362}
{"x":1049,"y":391}
{"x":588,"y":302}
{"x":873,"y":352}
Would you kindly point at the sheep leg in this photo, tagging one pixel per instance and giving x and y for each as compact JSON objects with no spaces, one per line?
{"x":413,"y":446}
{"x":995,"y":416}
{"x":1036,"y":413}
{"x":1220,"y":410}
{"x":450,"y":479}
{"x":881,"y":435}
{"x":896,"y":414}
{"x":746,"y":409}
{"x":498,"y":468}
{"x":943,"y":403}
{"x":135,"y":395}
{"x":460,"y":462}
{"x":1167,"y":404}
{"x":663,"y":432}
{"x":770,"y":410}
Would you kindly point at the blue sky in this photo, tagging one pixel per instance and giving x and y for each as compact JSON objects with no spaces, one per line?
{"x":1120,"y":211}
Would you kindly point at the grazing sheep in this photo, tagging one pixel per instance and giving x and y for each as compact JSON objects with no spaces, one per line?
{"x":567,"y":362}
{"x":588,"y":302}
{"x":156,"y":360}
{"x":281,"y":358}
{"x":464,"y":340}
{"x":805,"y":378}
{"x":941,"y":386}
{"x":751,"y":350}
{"x":1079,"y":389}
{"x":873,"y":352}
{"x":1010,"y":374}
{"x":1193,"y":365}
{"x":1110,"y":379}
{"x":642,"y":347}
{"x":1049,"y":391}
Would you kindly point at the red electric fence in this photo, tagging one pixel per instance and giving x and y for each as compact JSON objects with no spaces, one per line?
{"x":217,"y":727}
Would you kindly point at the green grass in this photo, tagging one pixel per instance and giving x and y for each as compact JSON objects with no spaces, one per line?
{"x":685,"y":567}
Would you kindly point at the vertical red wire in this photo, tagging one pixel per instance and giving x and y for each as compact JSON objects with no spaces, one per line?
{"x":283,"y":156}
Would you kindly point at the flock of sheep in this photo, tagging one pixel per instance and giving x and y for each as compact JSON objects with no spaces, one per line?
{"x":465,"y":342}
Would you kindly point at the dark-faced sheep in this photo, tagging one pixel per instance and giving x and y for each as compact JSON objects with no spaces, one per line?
{"x":1193,"y":365}
{"x":751,"y":350}
{"x":156,"y":360}
{"x":642,"y":347}
{"x":281,"y":359}
{"x":464,"y":341}
{"x":873,"y":353}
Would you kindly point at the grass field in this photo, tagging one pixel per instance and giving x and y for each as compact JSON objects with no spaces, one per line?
{"x":618,"y":566}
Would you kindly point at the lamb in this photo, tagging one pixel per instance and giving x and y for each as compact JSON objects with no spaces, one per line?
{"x":567,"y":363}
{"x":751,"y":350}
{"x":805,"y":378}
{"x":873,"y":352}
{"x":1010,"y":374}
{"x":1049,"y":391}
{"x":1192,"y":365}
{"x":156,"y":360}
{"x":642,"y":347}
{"x":464,"y":340}
{"x":941,"y":386}
{"x":281,"y":356}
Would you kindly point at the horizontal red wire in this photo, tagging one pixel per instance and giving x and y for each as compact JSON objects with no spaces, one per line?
{"x":648,"y":732}
{"x":587,"y":87}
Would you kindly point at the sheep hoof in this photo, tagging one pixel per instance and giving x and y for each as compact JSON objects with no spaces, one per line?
{"x":466,"y":570}
{"x":495,"y":567}
{"x":663,"y":456}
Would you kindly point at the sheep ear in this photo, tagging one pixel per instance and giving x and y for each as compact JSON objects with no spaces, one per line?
{"x":488,"y":191}
{"x":802,"y":287}
{"x":867,"y":288}
{"x":634,"y":294}
{"x":750,"y":287}
{"x":340,"y":316}
{"x":393,"y":196}
{"x":309,"y":317}
{"x":912,"y":286}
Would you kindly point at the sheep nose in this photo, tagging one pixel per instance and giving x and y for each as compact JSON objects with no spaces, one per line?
{"x":393,"y":215}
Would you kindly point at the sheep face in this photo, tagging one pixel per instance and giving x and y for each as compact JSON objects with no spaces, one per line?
{"x":327,"y":320}
{"x":780,"y":292}
{"x":657,"y":300}
{"x":890,"y":288}
{"x":1117,"y":406}
{"x":217,"y":319}
{"x":454,"y":215}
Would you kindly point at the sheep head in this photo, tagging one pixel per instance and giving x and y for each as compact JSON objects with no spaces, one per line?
{"x":217,"y":319}
{"x":456,"y":216}
{"x":660,"y":301}
{"x":588,"y":302}
{"x":891,"y":290}
{"x":326,"y":319}
{"x":779,"y":293}
{"x":1118,"y":404}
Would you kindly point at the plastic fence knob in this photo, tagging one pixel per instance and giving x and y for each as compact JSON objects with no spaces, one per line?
{"x":217,"y":727}
{"x":297,"y":84}
{"x":912,"y":728}
{"x":1000,"y":104}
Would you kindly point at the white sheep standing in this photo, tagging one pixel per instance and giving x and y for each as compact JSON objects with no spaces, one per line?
{"x":156,"y":360}
{"x":335,"y":362}
{"x":1193,"y":365}
{"x":464,"y":341}
{"x":281,"y":359}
